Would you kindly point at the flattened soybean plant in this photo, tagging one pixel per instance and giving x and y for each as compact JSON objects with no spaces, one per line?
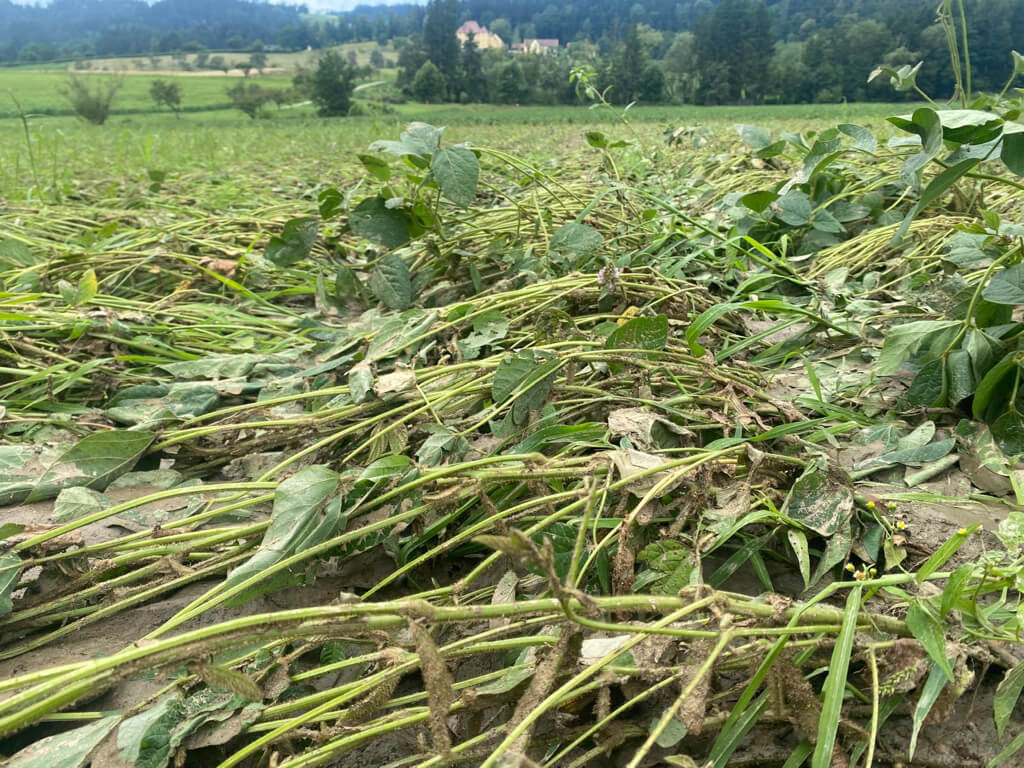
{"x":692,"y":454}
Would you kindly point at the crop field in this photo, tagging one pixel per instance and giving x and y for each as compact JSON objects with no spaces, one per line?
{"x":512,"y":437}
{"x":39,"y":92}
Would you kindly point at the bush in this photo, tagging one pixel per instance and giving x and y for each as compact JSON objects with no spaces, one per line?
{"x":250,"y":99}
{"x":330,"y":85}
{"x":92,"y":104}
{"x":167,"y":94}
{"x":429,"y":84}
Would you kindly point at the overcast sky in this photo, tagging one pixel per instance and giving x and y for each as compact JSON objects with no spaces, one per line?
{"x":314,"y":5}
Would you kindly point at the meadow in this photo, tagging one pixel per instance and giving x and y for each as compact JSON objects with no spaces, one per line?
{"x":510,"y":436}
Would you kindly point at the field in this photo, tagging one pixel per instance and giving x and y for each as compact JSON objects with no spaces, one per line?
{"x":510,"y":436}
{"x":277,"y":60}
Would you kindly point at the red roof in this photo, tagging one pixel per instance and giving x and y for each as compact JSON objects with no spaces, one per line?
{"x":471,"y":26}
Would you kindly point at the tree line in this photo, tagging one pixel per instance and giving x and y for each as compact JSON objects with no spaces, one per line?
{"x":676,"y":51}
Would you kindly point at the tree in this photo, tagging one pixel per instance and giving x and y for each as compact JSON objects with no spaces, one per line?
{"x":474,"y":86}
{"x":630,"y":68}
{"x":92,"y":104}
{"x":503,"y":29}
{"x":258,"y":59}
{"x":734,"y":50}
{"x":510,"y":86}
{"x":411,"y":57}
{"x":249,"y":98}
{"x":331,"y":85}
{"x":377,"y":58}
{"x":439,"y":40}
{"x":680,"y":67}
{"x":167,"y":94}
{"x":429,"y":85}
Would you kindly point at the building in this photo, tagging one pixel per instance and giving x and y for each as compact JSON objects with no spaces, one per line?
{"x":482,"y":36}
{"x":536,"y":45}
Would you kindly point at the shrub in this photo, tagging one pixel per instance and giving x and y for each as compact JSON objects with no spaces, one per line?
{"x":92,"y":104}
{"x":166,"y":94}
{"x":249,"y":98}
{"x":429,"y":84}
{"x":330,"y":85}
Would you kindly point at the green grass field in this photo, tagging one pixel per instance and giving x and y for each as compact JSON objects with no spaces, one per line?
{"x":39,"y":92}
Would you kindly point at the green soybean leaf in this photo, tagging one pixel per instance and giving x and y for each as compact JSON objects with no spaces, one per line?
{"x":795,"y":208}
{"x":87,"y":288}
{"x":640,"y":333}
{"x":936,"y":187}
{"x":929,"y":694}
{"x":391,"y":282}
{"x":511,"y":372}
{"x":672,"y":734}
{"x":1008,"y":432}
{"x":77,"y":501}
{"x":375,"y":221}
{"x":418,"y":139}
{"x":903,"y":342}
{"x":754,"y":136}
{"x":14,"y":253}
{"x":798,"y":541}
{"x":1012,"y":153}
{"x":959,"y":377}
{"x":93,"y":462}
{"x":835,"y":683}
{"x":10,"y":569}
{"x":758,"y":201}
{"x":385,"y":468}
{"x":819,"y":501}
{"x":576,"y":239}
{"x":70,"y":749}
{"x":377,"y":167}
{"x":1007,"y":694}
{"x":457,"y":171}
{"x":144,"y":740}
{"x":993,"y":392}
{"x":863,"y":139}
{"x":917,"y":456}
{"x":306,"y":511}
{"x":928,"y":389}
{"x":488,"y":328}
{"x":1006,"y":286}
{"x":294,"y":243}
{"x":928,"y":632}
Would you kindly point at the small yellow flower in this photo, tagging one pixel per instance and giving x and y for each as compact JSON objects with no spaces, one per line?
{"x":891,"y":506}
{"x":871,"y":506}
{"x":900,"y":525}
{"x":859,"y":576}
{"x":962,"y":531}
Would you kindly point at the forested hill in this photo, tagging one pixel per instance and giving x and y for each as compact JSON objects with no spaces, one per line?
{"x":66,"y":28}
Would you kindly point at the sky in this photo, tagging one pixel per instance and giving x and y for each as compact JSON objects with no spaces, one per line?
{"x":316,"y":6}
